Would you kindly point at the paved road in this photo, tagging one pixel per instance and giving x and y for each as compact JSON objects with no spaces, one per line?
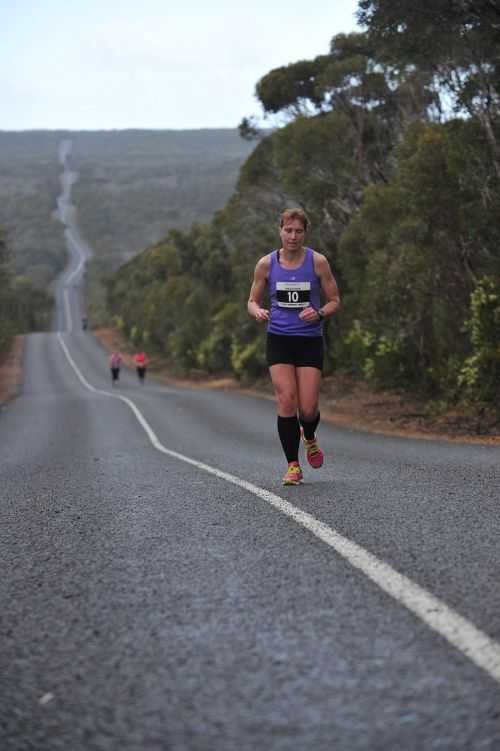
{"x":150,"y":604}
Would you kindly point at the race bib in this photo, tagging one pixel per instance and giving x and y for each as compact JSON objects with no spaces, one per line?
{"x":293,"y":294}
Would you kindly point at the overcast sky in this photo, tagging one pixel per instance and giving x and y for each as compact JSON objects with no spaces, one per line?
{"x":92,"y":64}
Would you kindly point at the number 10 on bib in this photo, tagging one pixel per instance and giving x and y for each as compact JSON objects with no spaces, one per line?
{"x":293,"y":294}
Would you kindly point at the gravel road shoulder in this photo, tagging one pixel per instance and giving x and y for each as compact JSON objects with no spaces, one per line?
{"x":11,"y":370}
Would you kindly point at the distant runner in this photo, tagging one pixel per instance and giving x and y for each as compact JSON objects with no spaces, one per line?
{"x":141,"y":363}
{"x":115,"y":362}
{"x":296,"y":276}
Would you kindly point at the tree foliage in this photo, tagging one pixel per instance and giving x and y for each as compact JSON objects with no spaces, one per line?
{"x":414,"y":254}
{"x":292,"y":87}
{"x":23,"y":306}
{"x":457,"y":41}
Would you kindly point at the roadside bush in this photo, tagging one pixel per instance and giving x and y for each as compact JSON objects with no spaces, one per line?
{"x":479,"y":377}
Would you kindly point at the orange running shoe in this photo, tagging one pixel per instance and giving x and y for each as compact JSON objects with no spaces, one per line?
{"x":293,"y":474}
{"x":315,"y":456}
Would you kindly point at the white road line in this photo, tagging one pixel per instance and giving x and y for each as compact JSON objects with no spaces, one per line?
{"x":67,"y":308}
{"x":458,"y":631}
{"x":70,"y":239}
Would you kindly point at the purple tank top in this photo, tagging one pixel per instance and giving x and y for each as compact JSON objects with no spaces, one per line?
{"x":291,"y":291}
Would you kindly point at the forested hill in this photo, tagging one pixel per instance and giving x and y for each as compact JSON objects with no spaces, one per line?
{"x":393,"y":148}
{"x":133,"y":186}
{"x":204,"y":144}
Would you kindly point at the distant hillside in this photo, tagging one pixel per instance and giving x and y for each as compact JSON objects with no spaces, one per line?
{"x":134,"y":186}
{"x":29,"y":186}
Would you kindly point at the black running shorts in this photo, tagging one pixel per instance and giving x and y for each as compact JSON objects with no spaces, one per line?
{"x":301,"y":351}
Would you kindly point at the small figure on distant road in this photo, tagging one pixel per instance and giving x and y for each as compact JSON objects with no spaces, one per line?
{"x":115,"y":362}
{"x":85,"y":323}
{"x":141,"y":362}
{"x":297,"y":277}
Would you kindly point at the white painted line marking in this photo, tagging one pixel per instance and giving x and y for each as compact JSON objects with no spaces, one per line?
{"x":67,"y":308}
{"x":46,"y":698}
{"x":70,"y":239}
{"x":458,"y":631}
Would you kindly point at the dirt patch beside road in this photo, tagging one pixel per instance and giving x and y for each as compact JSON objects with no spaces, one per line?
{"x":356,"y":406}
{"x":11,"y":370}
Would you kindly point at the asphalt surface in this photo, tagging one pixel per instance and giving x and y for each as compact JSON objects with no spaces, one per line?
{"x":148,"y":604}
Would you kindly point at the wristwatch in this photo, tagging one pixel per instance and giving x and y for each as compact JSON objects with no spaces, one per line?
{"x":321,"y":314}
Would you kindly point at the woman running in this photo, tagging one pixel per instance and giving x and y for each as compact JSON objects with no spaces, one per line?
{"x":115,"y":362}
{"x":296,"y":276}
{"x":141,"y":362}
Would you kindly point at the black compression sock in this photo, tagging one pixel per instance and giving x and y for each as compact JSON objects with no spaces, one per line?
{"x":289,"y":433}
{"x":310,"y":427}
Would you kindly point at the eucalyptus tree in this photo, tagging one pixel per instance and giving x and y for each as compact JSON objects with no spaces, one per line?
{"x":352,"y":79}
{"x":456,"y":41}
{"x":292,"y":88}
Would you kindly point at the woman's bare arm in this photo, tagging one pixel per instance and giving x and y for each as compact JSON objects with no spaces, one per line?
{"x":254,"y":305}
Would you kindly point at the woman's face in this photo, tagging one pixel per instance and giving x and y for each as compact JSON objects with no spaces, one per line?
{"x":292,"y":235}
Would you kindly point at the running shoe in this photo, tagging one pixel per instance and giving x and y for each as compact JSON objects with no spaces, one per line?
{"x":293,"y":474}
{"x":315,"y":456}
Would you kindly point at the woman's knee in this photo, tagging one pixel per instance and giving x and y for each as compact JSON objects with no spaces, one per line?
{"x":309,"y":411}
{"x":287,"y":402}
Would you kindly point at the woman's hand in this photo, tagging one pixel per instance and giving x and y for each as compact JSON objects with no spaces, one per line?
{"x":310,"y":315}
{"x":261,"y":315}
